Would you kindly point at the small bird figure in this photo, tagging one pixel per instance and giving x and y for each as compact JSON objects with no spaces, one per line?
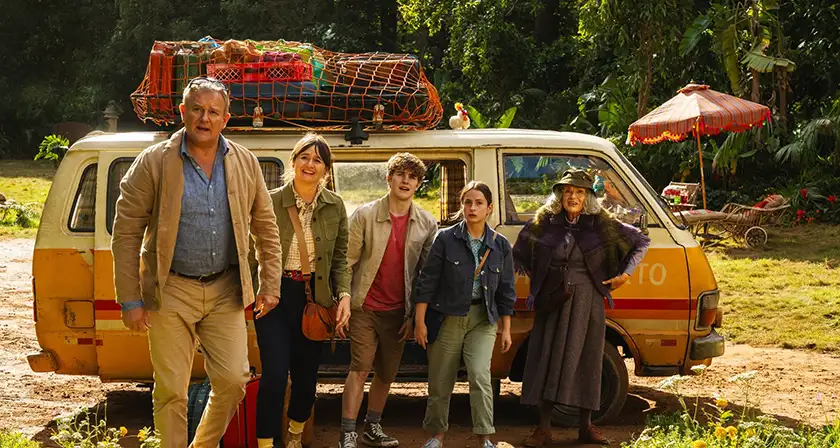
{"x":461,"y":120}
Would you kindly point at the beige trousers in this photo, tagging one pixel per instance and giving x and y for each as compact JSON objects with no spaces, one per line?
{"x":212,"y":314}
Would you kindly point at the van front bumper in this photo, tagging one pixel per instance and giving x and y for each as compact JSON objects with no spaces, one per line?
{"x":43,"y":361}
{"x":707,"y":347}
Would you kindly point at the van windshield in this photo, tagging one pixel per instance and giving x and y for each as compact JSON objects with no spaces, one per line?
{"x":659,"y":201}
{"x":529,"y":179}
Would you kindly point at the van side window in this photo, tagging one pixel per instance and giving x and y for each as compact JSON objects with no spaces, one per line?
{"x":83,"y":214}
{"x":529,"y":178}
{"x":116,"y":172}
{"x":361,"y":182}
{"x":272,"y":170}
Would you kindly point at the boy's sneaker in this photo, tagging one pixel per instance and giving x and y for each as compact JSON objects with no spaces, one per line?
{"x":348,"y":439}
{"x":375,"y":436}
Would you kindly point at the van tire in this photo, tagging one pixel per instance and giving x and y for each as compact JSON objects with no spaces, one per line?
{"x":614,"y":386}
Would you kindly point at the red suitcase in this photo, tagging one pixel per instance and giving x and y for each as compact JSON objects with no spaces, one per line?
{"x":242,"y":429}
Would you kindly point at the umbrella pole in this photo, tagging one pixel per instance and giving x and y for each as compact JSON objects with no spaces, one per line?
{"x":702,"y":174}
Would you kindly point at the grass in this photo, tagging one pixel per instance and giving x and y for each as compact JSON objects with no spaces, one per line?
{"x":785,"y":294}
{"x":25,"y":182}
{"x":355,"y":198}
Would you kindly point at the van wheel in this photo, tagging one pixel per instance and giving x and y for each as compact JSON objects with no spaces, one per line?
{"x":614,"y":386}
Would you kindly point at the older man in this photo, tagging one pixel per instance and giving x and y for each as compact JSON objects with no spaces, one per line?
{"x":180,"y":245}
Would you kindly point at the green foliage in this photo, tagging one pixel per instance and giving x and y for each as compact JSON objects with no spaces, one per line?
{"x":87,"y":430}
{"x":725,"y":427}
{"x":53,"y":147}
{"x":21,"y":215}
{"x":815,"y":141}
{"x":16,"y":440}
{"x":742,"y":32}
{"x":481,"y":122}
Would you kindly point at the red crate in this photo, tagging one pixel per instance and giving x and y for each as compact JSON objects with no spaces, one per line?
{"x":291,"y":71}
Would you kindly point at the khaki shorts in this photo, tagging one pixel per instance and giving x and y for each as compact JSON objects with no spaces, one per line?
{"x":375,"y":342}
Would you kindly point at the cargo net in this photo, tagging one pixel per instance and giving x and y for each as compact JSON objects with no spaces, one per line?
{"x":292,"y":83}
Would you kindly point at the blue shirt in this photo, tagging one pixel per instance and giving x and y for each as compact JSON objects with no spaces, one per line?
{"x":476,"y":244}
{"x":205,"y":243}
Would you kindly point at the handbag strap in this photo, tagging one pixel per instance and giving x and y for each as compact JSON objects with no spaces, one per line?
{"x":304,"y":254}
{"x":483,"y":258}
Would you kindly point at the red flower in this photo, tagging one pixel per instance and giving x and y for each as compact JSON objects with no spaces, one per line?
{"x":800,"y":214}
{"x":804,"y":193}
{"x":832,"y":198}
{"x":811,"y":219}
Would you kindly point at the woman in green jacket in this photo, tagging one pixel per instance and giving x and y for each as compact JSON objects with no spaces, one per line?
{"x":279,"y":335}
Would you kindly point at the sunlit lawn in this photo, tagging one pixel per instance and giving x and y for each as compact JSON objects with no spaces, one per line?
{"x":786,"y":294}
{"x":27,"y":183}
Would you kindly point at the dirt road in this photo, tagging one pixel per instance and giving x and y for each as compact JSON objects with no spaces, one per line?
{"x":797,"y":387}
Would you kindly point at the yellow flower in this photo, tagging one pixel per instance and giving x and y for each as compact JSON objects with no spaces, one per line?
{"x":698,"y":444}
{"x":141,"y":436}
{"x":123,"y":431}
{"x":733,"y":432}
{"x":720,"y":432}
{"x":721,"y":403}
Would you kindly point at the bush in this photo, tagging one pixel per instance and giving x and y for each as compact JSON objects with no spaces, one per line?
{"x":723,"y":428}
{"x":16,"y":440}
{"x":53,"y":147}
{"x":23,"y":215}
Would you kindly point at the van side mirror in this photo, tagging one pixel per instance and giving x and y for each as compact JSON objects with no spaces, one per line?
{"x":643,"y":222}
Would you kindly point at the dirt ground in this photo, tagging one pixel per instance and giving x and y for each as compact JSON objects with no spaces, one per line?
{"x":797,"y":387}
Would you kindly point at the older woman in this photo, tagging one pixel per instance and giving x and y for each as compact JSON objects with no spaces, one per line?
{"x":575,"y":254}
{"x":279,"y":335}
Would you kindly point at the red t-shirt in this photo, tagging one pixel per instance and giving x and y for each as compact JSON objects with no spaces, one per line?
{"x":387,"y":293}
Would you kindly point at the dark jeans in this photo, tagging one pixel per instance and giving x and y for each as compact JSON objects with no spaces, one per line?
{"x":281,"y":340}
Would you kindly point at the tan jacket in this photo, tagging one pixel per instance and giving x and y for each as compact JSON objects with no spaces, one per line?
{"x":147,"y":214}
{"x":370,"y":228}
{"x":329,"y":228}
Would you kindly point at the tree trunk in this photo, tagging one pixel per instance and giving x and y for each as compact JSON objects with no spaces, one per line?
{"x":756,"y":85}
{"x":644,"y":88}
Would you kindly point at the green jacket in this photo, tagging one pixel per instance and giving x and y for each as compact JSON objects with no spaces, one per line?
{"x":329,"y":228}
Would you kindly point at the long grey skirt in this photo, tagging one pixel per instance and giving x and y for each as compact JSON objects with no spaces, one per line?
{"x":565,"y":353}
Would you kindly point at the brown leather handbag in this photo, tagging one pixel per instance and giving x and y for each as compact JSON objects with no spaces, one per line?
{"x":318,"y":322}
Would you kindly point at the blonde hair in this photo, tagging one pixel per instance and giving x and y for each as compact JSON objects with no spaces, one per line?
{"x":554,"y":205}
{"x":321,"y":146}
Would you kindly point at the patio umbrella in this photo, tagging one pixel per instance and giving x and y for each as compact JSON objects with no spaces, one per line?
{"x":697,"y":110}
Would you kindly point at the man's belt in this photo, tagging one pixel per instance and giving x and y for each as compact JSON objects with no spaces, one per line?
{"x":205,"y":278}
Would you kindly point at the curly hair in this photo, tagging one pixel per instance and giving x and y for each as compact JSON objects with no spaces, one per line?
{"x":406,"y":162}
{"x":554,"y":205}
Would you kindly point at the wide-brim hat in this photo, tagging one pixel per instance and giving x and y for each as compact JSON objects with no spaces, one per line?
{"x":576,"y":178}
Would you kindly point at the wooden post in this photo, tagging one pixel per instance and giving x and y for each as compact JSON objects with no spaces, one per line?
{"x":700,"y":151}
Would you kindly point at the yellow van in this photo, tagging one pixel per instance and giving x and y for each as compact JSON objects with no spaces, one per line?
{"x":664,"y":318}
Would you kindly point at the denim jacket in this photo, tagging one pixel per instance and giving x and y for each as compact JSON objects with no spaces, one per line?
{"x":446,"y":279}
